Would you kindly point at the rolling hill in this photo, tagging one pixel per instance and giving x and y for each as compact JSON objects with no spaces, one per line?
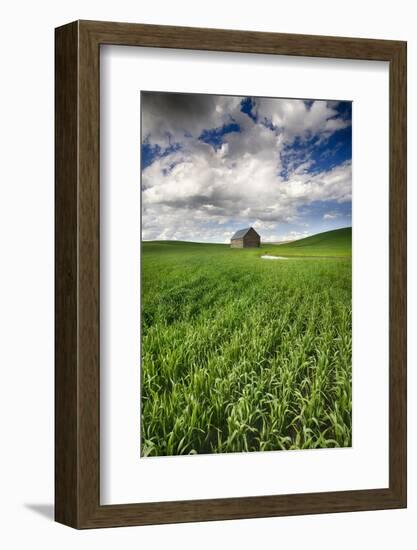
{"x":336,"y":243}
{"x":330,"y":243}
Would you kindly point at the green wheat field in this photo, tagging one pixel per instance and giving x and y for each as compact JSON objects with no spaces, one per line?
{"x":245,"y":354}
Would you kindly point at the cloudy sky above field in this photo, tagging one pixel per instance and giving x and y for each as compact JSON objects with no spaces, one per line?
{"x":214,"y":164}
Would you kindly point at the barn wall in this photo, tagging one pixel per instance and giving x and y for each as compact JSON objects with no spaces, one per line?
{"x":251,"y":241}
{"x":237,"y":243}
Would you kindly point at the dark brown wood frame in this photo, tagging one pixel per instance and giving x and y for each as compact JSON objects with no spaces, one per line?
{"x":77,"y":501}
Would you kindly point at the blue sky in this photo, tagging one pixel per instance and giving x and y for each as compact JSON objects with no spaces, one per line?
{"x":214,"y":164}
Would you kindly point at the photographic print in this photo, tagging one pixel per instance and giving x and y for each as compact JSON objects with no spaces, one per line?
{"x":246,"y":274}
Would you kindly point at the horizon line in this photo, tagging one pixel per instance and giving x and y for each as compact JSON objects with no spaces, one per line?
{"x":262,"y":242}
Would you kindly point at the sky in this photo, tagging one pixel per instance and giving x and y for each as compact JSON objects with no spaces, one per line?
{"x":212,"y":164}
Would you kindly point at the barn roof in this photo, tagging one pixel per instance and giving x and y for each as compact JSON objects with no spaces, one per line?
{"x":240,"y":233}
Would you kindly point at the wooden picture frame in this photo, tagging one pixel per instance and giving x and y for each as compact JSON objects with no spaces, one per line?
{"x":77,"y":374}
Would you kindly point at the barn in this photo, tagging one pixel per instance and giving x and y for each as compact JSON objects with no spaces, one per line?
{"x":246,"y":238}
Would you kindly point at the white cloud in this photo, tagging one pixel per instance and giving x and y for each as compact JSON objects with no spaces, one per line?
{"x":284,"y":237}
{"x":198,"y":193}
{"x":296,"y":119}
{"x":295,"y":236}
{"x":330,"y":216}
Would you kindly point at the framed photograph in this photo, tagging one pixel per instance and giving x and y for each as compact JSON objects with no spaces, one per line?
{"x":230,"y":274}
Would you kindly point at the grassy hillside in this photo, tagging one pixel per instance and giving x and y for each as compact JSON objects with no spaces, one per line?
{"x":330,"y":243}
{"x":243,"y":354}
{"x":337,"y":243}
